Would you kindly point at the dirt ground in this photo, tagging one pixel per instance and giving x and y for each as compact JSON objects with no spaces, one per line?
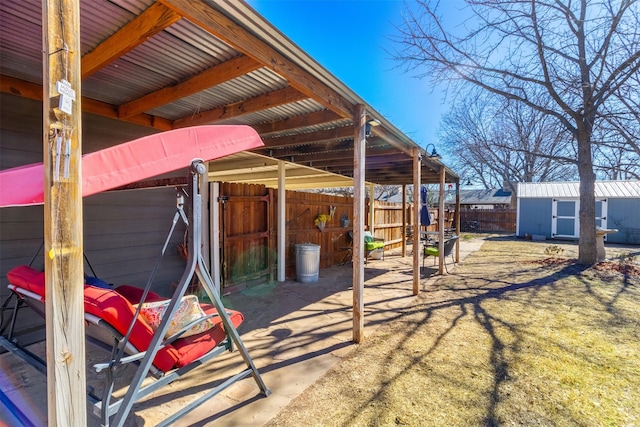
{"x":518,"y":334}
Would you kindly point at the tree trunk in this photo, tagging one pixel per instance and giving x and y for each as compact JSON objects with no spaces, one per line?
{"x":587,"y":243}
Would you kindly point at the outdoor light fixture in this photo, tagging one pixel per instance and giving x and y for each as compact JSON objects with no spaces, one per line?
{"x":434,"y":154}
{"x":369,"y":124}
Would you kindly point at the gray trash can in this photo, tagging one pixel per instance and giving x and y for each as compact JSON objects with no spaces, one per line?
{"x":307,"y":262}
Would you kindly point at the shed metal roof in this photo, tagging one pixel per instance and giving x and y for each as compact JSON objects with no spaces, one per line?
{"x":610,"y":189}
{"x":167,"y":64}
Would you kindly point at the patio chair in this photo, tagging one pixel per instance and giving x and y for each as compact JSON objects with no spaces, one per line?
{"x":371,"y":245}
{"x":434,"y":252}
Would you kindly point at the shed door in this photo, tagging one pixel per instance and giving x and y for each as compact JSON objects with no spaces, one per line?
{"x":565,"y":221}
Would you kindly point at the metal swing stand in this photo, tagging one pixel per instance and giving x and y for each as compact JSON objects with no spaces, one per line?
{"x":197,"y":266}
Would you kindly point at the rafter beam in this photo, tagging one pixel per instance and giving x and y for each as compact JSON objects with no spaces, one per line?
{"x":207,"y":17}
{"x":150,"y":22}
{"x":34,"y":91}
{"x":310,"y":137}
{"x":213,"y":76}
{"x":237,"y":109}
{"x":297,"y":122}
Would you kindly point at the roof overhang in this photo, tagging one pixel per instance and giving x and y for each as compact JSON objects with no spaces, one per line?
{"x":197,"y":62}
{"x":252,"y":168}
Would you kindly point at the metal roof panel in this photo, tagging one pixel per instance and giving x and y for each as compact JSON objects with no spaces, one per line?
{"x":609,"y":189}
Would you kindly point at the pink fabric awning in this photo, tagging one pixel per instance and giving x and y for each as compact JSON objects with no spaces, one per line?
{"x":132,"y":161}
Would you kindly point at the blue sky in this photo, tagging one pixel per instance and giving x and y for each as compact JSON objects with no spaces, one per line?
{"x":351,"y":39}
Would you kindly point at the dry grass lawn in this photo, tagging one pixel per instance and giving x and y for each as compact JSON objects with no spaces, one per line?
{"x":511,"y":337}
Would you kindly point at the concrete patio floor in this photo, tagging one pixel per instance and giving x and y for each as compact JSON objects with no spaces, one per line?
{"x":294,"y":332}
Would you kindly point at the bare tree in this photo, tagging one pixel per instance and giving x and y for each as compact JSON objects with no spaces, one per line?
{"x":577,"y":54}
{"x":618,"y":148}
{"x":381,"y":192}
{"x":493,"y":142}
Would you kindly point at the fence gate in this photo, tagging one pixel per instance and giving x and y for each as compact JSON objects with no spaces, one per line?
{"x":246,"y":234}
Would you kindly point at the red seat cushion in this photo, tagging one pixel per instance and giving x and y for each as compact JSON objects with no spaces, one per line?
{"x":27,"y":278}
{"x":192,"y":347}
{"x":115,"y":307}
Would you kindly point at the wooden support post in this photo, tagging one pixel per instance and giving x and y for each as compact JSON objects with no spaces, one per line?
{"x":457,"y":224}
{"x":417,"y":180}
{"x":441,"y":222}
{"x":62,"y":151}
{"x":404,"y":220}
{"x":372,"y":208}
{"x":216,"y":271}
{"x":359,"y":152}
{"x":282,"y":221}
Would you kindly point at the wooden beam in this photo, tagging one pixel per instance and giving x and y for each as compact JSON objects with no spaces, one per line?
{"x":387,"y":136}
{"x":150,"y":22}
{"x":63,"y":226}
{"x":337,"y":159}
{"x":312,"y":119}
{"x":237,"y":109}
{"x":34,"y":91}
{"x":207,"y":17}
{"x":215,"y":75}
{"x":308,"y":138}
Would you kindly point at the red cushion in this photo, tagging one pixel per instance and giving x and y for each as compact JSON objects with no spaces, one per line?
{"x":193,"y":347}
{"x":134,"y":294}
{"x":118,"y":312}
{"x":27,"y":278}
{"x":115,"y":308}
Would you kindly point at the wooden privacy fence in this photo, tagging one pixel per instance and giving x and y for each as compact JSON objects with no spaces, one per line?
{"x":301,"y":211}
{"x":248,"y":230}
{"x":488,"y":220}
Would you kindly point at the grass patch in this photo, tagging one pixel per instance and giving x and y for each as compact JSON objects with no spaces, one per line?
{"x":510,"y":338}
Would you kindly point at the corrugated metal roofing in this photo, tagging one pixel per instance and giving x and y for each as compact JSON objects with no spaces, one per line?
{"x":161,"y":68}
{"x":612,"y":189}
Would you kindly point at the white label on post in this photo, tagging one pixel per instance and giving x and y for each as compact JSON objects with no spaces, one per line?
{"x":66,"y":104}
{"x":64,"y":88}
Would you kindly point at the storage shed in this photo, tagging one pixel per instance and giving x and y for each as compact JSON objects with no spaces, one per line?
{"x":551,"y":209}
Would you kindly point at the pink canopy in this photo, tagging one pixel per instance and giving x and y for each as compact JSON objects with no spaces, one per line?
{"x":132,"y":161}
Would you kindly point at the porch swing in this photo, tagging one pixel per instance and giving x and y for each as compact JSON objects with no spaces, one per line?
{"x":167,"y":351}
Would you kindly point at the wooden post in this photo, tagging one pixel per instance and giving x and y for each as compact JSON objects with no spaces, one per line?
{"x":404,"y":220}
{"x":372,"y":207}
{"x":417,"y":180}
{"x":282,"y":221}
{"x":441,"y":222}
{"x":359,"y":152}
{"x":457,"y":224}
{"x":62,"y":150}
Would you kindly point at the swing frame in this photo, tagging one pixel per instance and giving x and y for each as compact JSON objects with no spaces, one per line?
{"x":107,"y":407}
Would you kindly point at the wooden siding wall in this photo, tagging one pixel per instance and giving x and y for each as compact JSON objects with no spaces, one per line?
{"x":623,"y":215}
{"x":124,"y":230}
